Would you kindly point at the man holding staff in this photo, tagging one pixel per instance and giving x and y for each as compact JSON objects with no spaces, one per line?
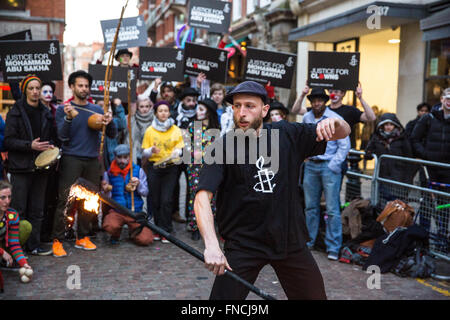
{"x":261,"y":224}
{"x":80,"y":148}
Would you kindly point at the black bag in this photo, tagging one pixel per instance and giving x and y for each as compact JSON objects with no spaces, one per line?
{"x":417,"y":265}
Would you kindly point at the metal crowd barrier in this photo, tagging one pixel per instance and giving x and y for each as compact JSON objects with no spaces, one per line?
{"x":430,"y":199}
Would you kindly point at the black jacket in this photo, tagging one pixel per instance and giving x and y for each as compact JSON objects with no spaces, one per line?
{"x":19,"y":136}
{"x":431,"y":137}
{"x":398,"y":146}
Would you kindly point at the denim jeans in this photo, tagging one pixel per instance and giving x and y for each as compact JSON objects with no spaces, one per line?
{"x":318,"y":177}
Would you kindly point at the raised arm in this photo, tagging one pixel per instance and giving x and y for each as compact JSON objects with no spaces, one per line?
{"x":297,"y":107}
{"x":215,"y":260}
{"x":368,"y":114}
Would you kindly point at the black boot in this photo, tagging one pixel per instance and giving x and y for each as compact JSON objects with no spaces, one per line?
{"x":195,"y":235}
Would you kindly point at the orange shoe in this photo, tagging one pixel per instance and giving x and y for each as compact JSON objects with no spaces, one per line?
{"x":85,"y":244}
{"x":58,"y":249}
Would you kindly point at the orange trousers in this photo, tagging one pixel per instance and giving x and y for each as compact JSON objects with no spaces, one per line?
{"x":113,"y":223}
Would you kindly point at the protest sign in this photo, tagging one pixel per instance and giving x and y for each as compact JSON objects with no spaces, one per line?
{"x":211,"y":61}
{"x":132,"y":32}
{"x":276,"y":67}
{"x":333,"y":70}
{"x":211,"y":15}
{"x":166,"y":63}
{"x":119,"y":82}
{"x":20,"y":58}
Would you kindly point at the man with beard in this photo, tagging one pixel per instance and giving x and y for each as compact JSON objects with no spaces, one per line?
{"x":119,"y":178}
{"x":29,"y":130}
{"x":259,"y":212}
{"x":80,"y":149}
{"x":186,"y":110}
{"x":324,"y":173}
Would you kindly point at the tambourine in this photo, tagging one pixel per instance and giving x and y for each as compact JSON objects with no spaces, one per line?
{"x":167,"y":162}
{"x":47,"y":158}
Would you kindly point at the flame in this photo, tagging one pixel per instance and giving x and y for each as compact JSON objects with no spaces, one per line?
{"x":91,"y":199}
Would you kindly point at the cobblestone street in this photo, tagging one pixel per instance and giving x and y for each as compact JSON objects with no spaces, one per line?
{"x":165,"y":272}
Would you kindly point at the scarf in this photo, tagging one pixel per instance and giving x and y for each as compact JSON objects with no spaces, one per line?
{"x":143,"y":121}
{"x":388,"y":137}
{"x":162,"y":126}
{"x":115,"y":169}
{"x":184,"y":115}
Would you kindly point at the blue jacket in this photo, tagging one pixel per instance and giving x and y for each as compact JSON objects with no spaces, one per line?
{"x":120,"y":195}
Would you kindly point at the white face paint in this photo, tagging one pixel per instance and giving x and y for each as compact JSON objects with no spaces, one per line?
{"x":46,"y":93}
{"x":201,"y":112}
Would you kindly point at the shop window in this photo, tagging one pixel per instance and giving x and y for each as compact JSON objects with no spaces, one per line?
{"x":437,"y":76}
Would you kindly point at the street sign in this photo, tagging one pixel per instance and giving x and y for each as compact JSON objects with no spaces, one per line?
{"x":211,"y":61}
{"x":119,"y":82}
{"x":333,"y":70}
{"x":20,"y":58}
{"x":211,"y":15}
{"x":263,"y":66}
{"x":132,"y":32}
{"x":166,"y":63}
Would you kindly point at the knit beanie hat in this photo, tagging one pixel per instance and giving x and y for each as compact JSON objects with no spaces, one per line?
{"x":24,"y":83}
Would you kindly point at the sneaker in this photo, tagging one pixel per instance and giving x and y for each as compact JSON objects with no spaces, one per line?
{"x":58,"y":249}
{"x":333,"y":256}
{"x":41,"y":252}
{"x":114,"y":241}
{"x":156,"y":237}
{"x":164,"y":240}
{"x":85,"y":244}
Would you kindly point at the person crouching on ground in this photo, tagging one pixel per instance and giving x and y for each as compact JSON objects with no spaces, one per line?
{"x":13,"y":232}
{"x":119,"y":177}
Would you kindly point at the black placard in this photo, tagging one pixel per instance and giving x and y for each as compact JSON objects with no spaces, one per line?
{"x":119,"y":82}
{"x":22,"y":35}
{"x":211,"y":15}
{"x":333,"y":70}
{"x":276,"y":67}
{"x":166,"y":63}
{"x":211,"y":61}
{"x":20,"y":58}
{"x":132,"y":32}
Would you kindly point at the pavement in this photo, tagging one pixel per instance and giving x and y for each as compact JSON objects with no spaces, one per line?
{"x":165,"y":272}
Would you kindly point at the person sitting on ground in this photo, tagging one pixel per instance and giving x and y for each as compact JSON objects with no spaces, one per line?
{"x":119,"y":178}
{"x":13,"y":231}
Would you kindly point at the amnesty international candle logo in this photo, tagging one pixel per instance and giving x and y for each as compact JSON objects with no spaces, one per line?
{"x":290,"y":62}
{"x":179,"y":56}
{"x":52,"y":49}
{"x":265,"y":178}
{"x":226,"y":9}
{"x":353,"y":62}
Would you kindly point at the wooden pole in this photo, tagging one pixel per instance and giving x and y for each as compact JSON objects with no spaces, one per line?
{"x":108,"y":75}
{"x":130,"y":135}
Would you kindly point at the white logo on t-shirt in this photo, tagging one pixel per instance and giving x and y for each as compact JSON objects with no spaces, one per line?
{"x":265,"y":178}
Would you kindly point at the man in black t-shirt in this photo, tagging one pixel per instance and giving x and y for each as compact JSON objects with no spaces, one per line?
{"x":259,"y":212}
{"x":351,"y":114}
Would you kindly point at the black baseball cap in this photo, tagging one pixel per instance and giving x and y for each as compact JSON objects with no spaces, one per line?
{"x":123,"y":51}
{"x":248,"y":87}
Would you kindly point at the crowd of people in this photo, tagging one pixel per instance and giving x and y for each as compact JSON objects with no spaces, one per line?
{"x":141,"y":165}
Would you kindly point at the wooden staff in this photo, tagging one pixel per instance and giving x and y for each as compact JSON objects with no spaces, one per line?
{"x":108,"y":75}
{"x":130,"y":135}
